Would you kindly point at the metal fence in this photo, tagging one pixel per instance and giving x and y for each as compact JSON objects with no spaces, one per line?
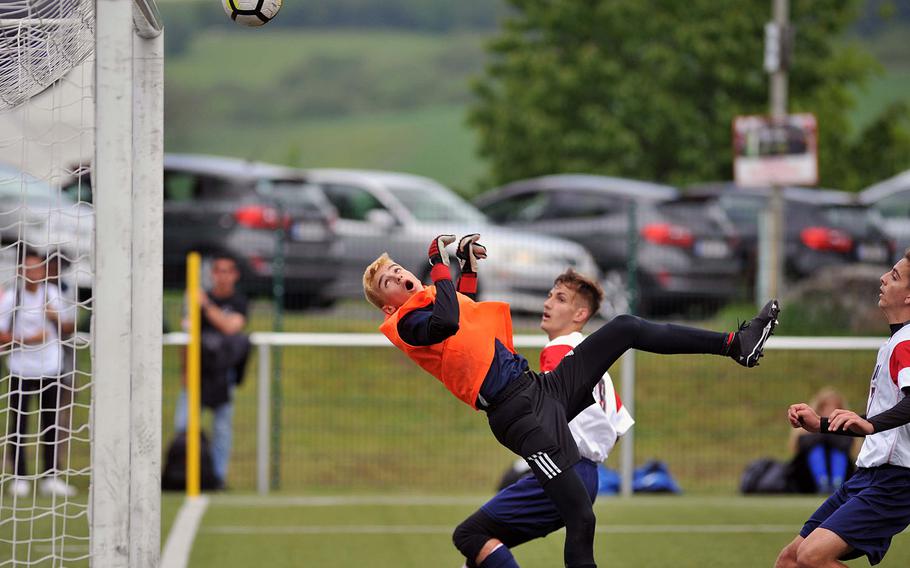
{"x":341,"y":412}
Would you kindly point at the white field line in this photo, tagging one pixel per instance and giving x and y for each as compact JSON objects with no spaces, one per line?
{"x":183,"y":532}
{"x":285,"y":501}
{"x":431,"y":529}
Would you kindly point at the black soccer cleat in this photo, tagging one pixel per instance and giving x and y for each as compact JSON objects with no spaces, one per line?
{"x":753,"y":334}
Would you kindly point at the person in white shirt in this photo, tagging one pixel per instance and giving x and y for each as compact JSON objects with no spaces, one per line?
{"x":522,"y":511}
{"x":863,"y":515}
{"x":33,"y":317}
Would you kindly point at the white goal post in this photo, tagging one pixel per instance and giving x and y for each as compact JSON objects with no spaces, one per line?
{"x":126,"y":327}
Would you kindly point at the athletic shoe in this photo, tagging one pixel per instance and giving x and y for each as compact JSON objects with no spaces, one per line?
{"x":753,"y":334}
{"x":51,"y":486}
{"x":19,"y":488}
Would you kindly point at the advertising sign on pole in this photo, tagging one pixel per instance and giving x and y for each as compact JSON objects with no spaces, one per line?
{"x":767,"y":152}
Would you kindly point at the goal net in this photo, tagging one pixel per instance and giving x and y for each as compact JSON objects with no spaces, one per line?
{"x":80,"y":455}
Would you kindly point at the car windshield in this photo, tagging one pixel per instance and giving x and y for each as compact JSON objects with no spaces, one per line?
{"x":743,"y":210}
{"x":853,"y":219}
{"x":430,"y":204}
{"x":18,"y":186}
{"x":292,"y":192}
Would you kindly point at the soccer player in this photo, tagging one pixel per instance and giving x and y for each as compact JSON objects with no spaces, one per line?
{"x":467,"y":346}
{"x":523,"y":511}
{"x":862,"y":516}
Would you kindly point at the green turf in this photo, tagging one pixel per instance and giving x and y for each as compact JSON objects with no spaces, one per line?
{"x":642,"y":532}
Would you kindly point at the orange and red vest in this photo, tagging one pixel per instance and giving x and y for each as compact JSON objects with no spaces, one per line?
{"x":460,"y":362}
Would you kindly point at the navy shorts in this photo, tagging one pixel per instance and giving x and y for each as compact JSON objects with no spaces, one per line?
{"x":527,"y":512}
{"x":866,"y":511}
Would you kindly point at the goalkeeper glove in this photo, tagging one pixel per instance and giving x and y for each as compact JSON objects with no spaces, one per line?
{"x":439,"y":258}
{"x":469,"y":252}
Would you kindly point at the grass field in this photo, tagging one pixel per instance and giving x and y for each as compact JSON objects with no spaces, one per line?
{"x":414,"y":532}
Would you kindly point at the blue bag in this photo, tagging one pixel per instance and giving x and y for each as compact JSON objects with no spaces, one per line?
{"x":654,"y":477}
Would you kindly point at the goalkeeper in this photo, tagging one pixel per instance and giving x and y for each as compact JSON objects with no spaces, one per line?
{"x":467,"y":346}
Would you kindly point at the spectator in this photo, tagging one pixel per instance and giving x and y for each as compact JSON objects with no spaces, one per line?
{"x":225,"y":349}
{"x":55,"y":264}
{"x":821,"y":463}
{"x":33,"y":318}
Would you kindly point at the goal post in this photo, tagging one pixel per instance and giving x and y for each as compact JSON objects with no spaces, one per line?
{"x":126,"y":358}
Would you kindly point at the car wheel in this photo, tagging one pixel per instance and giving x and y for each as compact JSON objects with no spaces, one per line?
{"x":616,"y":295}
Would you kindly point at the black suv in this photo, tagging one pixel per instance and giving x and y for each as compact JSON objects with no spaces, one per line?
{"x":236,"y":207}
{"x":685,"y":255}
{"x":823,"y":227}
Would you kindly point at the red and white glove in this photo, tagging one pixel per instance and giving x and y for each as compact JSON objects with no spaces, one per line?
{"x":439,"y":258}
{"x":468,"y":253}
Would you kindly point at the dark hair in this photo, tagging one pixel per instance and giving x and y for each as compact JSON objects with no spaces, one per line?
{"x":587,"y":288}
{"x":27,"y":251}
{"x":907,"y":255}
{"x":225,"y":256}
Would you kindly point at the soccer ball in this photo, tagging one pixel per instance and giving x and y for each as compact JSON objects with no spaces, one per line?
{"x":251,"y":12}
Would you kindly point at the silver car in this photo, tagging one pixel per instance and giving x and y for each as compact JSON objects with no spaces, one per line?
{"x":41,"y":216}
{"x":401,"y":213}
{"x":891,"y":199}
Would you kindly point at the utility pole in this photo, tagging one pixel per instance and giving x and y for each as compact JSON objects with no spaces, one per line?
{"x":771,"y":241}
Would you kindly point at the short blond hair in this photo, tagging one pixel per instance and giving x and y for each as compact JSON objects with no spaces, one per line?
{"x":370,"y":284}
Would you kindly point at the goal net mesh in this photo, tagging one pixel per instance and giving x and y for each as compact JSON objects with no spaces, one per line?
{"x":46,"y":239}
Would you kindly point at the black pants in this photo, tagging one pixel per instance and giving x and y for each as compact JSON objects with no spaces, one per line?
{"x":21,"y":391}
{"x":530,"y":416}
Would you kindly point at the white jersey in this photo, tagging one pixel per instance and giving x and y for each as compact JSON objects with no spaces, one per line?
{"x":598,"y":426}
{"x":892,"y":373}
{"x":28,"y":317}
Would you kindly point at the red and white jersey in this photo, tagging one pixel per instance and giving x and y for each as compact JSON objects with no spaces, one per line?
{"x":598,"y":426}
{"x":892,"y":373}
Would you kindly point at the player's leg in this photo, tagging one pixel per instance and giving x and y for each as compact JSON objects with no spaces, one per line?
{"x":859,"y":519}
{"x":787,"y":556}
{"x":478,"y":540}
{"x":822,"y":549}
{"x":596,"y":354}
{"x":570,"y":498}
{"x":519,"y":513}
{"x":534,"y":426}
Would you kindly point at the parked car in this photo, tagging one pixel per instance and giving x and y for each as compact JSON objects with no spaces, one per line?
{"x":891,"y":199}
{"x":685,"y":250}
{"x":232,"y":206}
{"x":401,"y":213}
{"x":37,"y":214}
{"x":823,"y":227}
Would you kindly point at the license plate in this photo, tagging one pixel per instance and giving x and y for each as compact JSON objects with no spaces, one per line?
{"x":307,"y":232}
{"x":712,"y":249}
{"x":866,"y":252}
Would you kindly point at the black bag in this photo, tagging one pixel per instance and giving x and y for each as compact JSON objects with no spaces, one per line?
{"x":223,"y":362}
{"x":765,"y":475}
{"x":173,"y":478}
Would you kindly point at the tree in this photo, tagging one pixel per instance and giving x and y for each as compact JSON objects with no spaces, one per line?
{"x":649,"y":89}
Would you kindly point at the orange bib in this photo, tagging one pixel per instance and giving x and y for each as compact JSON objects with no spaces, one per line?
{"x":460,"y":362}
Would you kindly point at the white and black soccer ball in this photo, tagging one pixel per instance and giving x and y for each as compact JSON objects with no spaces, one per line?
{"x":251,"y":12}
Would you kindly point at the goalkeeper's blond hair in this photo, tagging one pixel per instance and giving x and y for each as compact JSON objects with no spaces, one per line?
{"x":369,"y":279}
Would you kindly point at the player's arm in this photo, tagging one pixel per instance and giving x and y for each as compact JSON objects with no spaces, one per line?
{"x":468,"y":253}
{"x":896,"y":416}
{"x":434,"y":325}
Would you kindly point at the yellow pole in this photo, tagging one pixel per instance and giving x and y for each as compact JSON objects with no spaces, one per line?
{"x":193,"y":376}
